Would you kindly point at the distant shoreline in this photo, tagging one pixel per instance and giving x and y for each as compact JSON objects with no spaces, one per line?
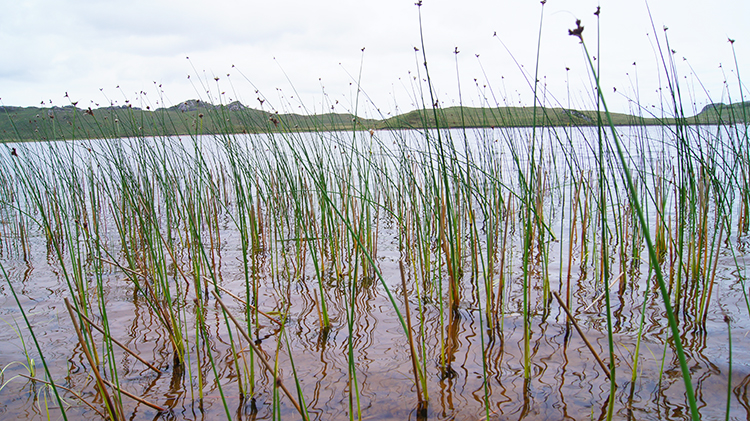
{"x":194,"y":117}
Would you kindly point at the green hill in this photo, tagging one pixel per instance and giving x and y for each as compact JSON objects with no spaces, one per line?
{"x":197,"y":117}
{"x":723,"y":113}
{"x":189,"y":117}
{"x":505,"y":117}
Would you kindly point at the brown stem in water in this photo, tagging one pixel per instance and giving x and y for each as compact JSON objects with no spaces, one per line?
{"x":713,"y":276}
{"x":580,"y":332}
{"x":263,"y":360}
{"x":501,"y":282}
{"x":415,"y":365}
{"x":99,"y":379}
{"x":447,"y":250}
{"x":136,"y":398}
{"x":271,"y":318}
{"x":116,"y":342}
{"x":80,"y":398}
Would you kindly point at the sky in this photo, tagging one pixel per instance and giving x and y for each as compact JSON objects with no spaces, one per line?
{"x":347,"y":55}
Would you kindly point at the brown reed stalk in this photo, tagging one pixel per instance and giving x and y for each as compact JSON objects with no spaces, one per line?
{"x":453,"y":287}
{"x":262,"y":359}
{"x":707,"y":299}
{"x":99,"y":380}
{"x":574,"y":212}
{"x":135,"y":397}
{"x":584,"y":227}
{"x":116,"y":342}
{"x":412,"y":348}
{"x":501,"y":281}
{"x":261,"y":227}
{"x":226,"y":291}
{"x":160,"y":309}
{"x":672,"y":257}
{"x":80,"y":398}
{"x":580,"y":332}
{"x":603,"y":294}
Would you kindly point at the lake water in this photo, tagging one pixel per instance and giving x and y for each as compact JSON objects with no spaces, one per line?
{"x":473,"y":365}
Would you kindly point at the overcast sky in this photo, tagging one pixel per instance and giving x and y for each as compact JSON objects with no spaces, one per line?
{"x":306,"y":56}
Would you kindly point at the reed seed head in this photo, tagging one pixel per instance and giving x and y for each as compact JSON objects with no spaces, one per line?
{"x":578,"y":31}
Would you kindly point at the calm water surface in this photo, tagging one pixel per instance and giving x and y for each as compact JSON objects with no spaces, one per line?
{"x":484,"y":360}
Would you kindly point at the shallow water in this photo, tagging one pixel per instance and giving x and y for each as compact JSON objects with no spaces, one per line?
{"x":474,"y":367}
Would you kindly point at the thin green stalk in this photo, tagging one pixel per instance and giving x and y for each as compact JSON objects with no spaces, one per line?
{"x":605,"y":242}
{"x":60,"y":402}
{"x":647,"y":236}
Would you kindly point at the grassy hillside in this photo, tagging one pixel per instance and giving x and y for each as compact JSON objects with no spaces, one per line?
{"x":504,"y":117}
{"x":722,"y":113}
{"x":189,"y":117}
{"x":196,"y":117}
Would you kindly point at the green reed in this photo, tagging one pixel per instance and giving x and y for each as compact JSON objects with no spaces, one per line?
{"x":652,"y":250}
